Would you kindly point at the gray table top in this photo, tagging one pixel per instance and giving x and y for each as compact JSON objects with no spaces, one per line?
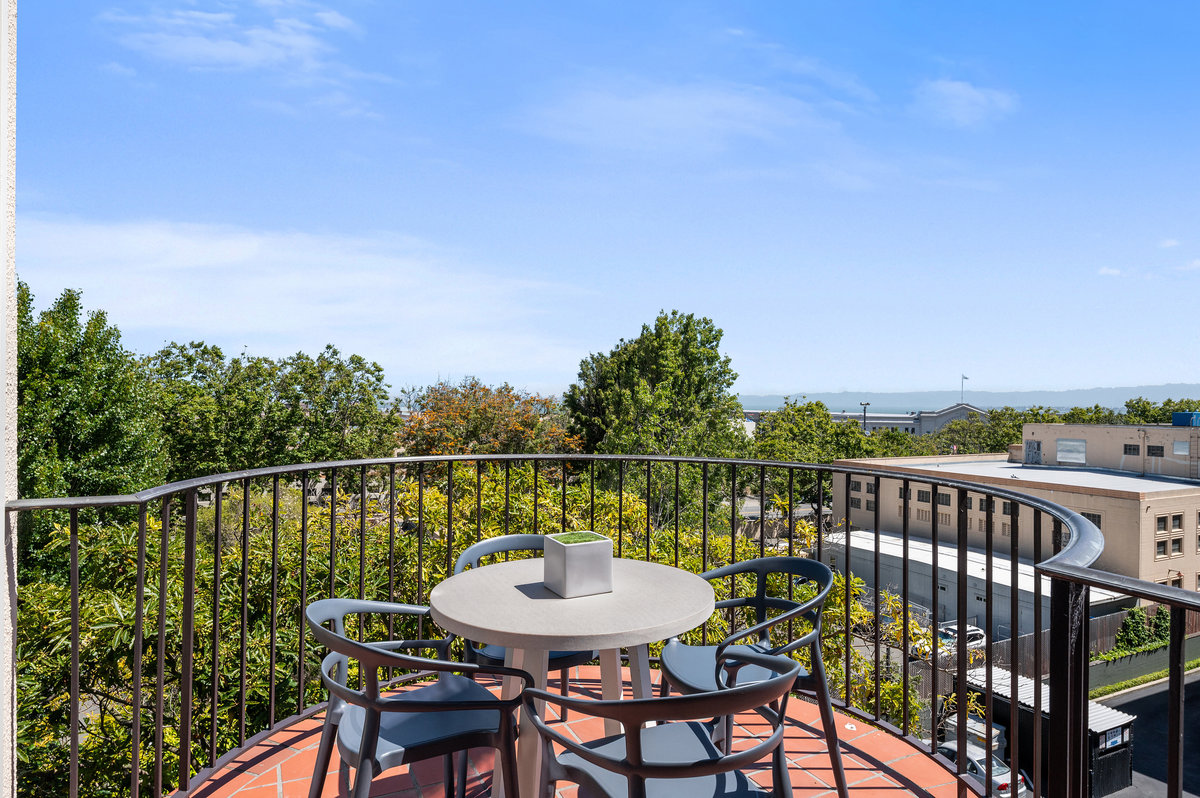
{"x":507,"y":604}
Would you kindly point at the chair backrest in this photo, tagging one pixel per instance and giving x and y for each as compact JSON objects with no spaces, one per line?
{"x":768,"y":698}
{"x":327,"y":622}
{"x":498,"y":545}
{"x":811,"y":571}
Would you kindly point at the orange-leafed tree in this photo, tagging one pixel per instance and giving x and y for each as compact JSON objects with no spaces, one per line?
{"x":470,"y":417}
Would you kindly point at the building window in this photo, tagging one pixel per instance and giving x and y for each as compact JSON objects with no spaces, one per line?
{"x":1180,"y":448}
{"x":1132,"y":449}
{"x":870,"y":504}
{"x":1071,"y":450}
{"x":923,"y":515}
{"x":1160,"y":524}
{"x":1005,"y":529}
{"x":923,"y":496}
{"x":1177,"y":581}
{"x":900,"y":511}
{"x":855,"y":503}
{"x":986,"y":502}
{"x":871,"y":488}
{"x":1160,"y":549}
{"x":1176,"y":546}
{"x":944,"y":499}
{"x":903,"y":491}
{"x":855,"y":485}
{"x":970,"y":503}
{"x":1177,"y":522}
{"x":1093,"y":517}
{"x":1006,"y":508}
{"x":944,"y":518}
{"x":1154,"y":451}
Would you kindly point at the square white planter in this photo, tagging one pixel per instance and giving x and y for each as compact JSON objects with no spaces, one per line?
{"x":578,"y":569}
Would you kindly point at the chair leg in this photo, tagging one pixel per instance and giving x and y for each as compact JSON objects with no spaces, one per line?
{"x":362,"y":779}
{"x":462,"y":773}
{"x":448,"y":774}
{"x":562,"y":688}
{"x":324,"y":754}
{"x":829,"y":725}
{"x":508,"y":758}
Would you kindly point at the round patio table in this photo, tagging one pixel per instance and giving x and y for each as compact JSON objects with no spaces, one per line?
{"x":506,"y":604}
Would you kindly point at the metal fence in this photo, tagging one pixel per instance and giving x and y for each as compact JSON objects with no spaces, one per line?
{"x":213,"y":573}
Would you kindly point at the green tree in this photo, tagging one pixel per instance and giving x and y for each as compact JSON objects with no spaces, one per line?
{"x":86,"y":420}
{"x":666,"y":392}
{"x":337,"y":408}
{"x":472,"y":418}
{"x":1160,"y":625}
{"x":219,"y":415}
{"x":1091,"y":415}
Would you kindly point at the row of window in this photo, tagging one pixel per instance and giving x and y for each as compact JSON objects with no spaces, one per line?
{"x":1179,"y":448}
{"x":1172,"y":547}
{"x":1175,"y":521}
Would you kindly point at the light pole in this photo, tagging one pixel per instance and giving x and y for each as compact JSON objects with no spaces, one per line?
{"x":865,"y":405}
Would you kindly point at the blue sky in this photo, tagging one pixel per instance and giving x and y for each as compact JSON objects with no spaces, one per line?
{"x":869,"y":196}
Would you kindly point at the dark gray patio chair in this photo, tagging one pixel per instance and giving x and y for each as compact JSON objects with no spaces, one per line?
{"x":376,"y":732}
{"x":561,"y":661}
{"x":675,"y":758}
{"x":696,"y":669}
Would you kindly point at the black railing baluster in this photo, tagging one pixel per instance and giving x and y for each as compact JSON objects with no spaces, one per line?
{"x":562,"y":524}
{"x":820,"y":515}
{"x":391,"y":592}
{"x":1068,"y":688}
{"x":762,"y":511}
{"x":333,"y":496}
{"x":301,"y":705}
{"x":648,"y":513}
{"x":960,"y":650}
{"x":245,"y":613}
{"x":421,"y":540}
{"x":1175,"y":705}
{"x":74,"y":766}
{"x":536,"y":495}
{"x":876,"y":615}
{"x":478,"y":501}
{"x":135,"y":734}
{"x":592,"y":492}
{"x":677,"y":514}
{"x":989,"y":637}
{"x":507,"y":486}
{"x":274,"y":611}
{"x":848,"y":573}
{"x":189,"y":630}
{"x":1037,"y":656}
{"x":449,"y":517}
{"x":620,"y":507}
{"x":218,"y":546}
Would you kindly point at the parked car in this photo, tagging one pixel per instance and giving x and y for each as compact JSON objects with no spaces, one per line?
{"x":1003,"y":779}
{"x":948,"y":641}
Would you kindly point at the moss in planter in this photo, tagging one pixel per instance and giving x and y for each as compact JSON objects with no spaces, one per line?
{"x":567,"y":538}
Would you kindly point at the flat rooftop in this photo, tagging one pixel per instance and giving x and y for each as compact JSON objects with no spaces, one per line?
{"x":997,"y":469}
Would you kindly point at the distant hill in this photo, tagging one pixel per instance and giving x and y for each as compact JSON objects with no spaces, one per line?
{"x":906,"y":401}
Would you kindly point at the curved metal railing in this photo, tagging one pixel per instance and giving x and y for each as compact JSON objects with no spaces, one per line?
{"x":409,"y":514}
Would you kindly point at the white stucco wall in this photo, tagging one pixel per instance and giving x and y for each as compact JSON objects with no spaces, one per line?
{"x":8,"y":405}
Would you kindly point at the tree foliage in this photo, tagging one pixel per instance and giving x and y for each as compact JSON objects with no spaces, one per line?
{"x":86,"y":422}
{"x":473,"y":418}
{"x":666,"y":392}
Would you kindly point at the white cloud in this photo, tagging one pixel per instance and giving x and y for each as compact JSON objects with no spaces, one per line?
{"x":120,"y":70}
{"x":1190,"y":267}
{"x":959,"y":104}
{"x":663,"y":118}
{"x":397,"y":300}
{"x":1168,"y":243}
{"x":1109,"y":272}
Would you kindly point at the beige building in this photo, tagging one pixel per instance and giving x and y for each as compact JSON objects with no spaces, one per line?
{"x":1150,"y":522}
{"x":1168,"y":450}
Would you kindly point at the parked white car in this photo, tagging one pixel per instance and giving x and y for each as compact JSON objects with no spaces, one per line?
{"x":1003,"y":779}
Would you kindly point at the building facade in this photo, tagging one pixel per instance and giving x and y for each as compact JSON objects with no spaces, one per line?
{"x":1151,"y":523}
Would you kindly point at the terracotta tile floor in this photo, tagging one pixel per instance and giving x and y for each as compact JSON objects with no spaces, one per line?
{"x":876,"y":763}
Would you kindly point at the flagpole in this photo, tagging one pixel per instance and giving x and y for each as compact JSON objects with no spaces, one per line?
{"x":962,"y":388}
